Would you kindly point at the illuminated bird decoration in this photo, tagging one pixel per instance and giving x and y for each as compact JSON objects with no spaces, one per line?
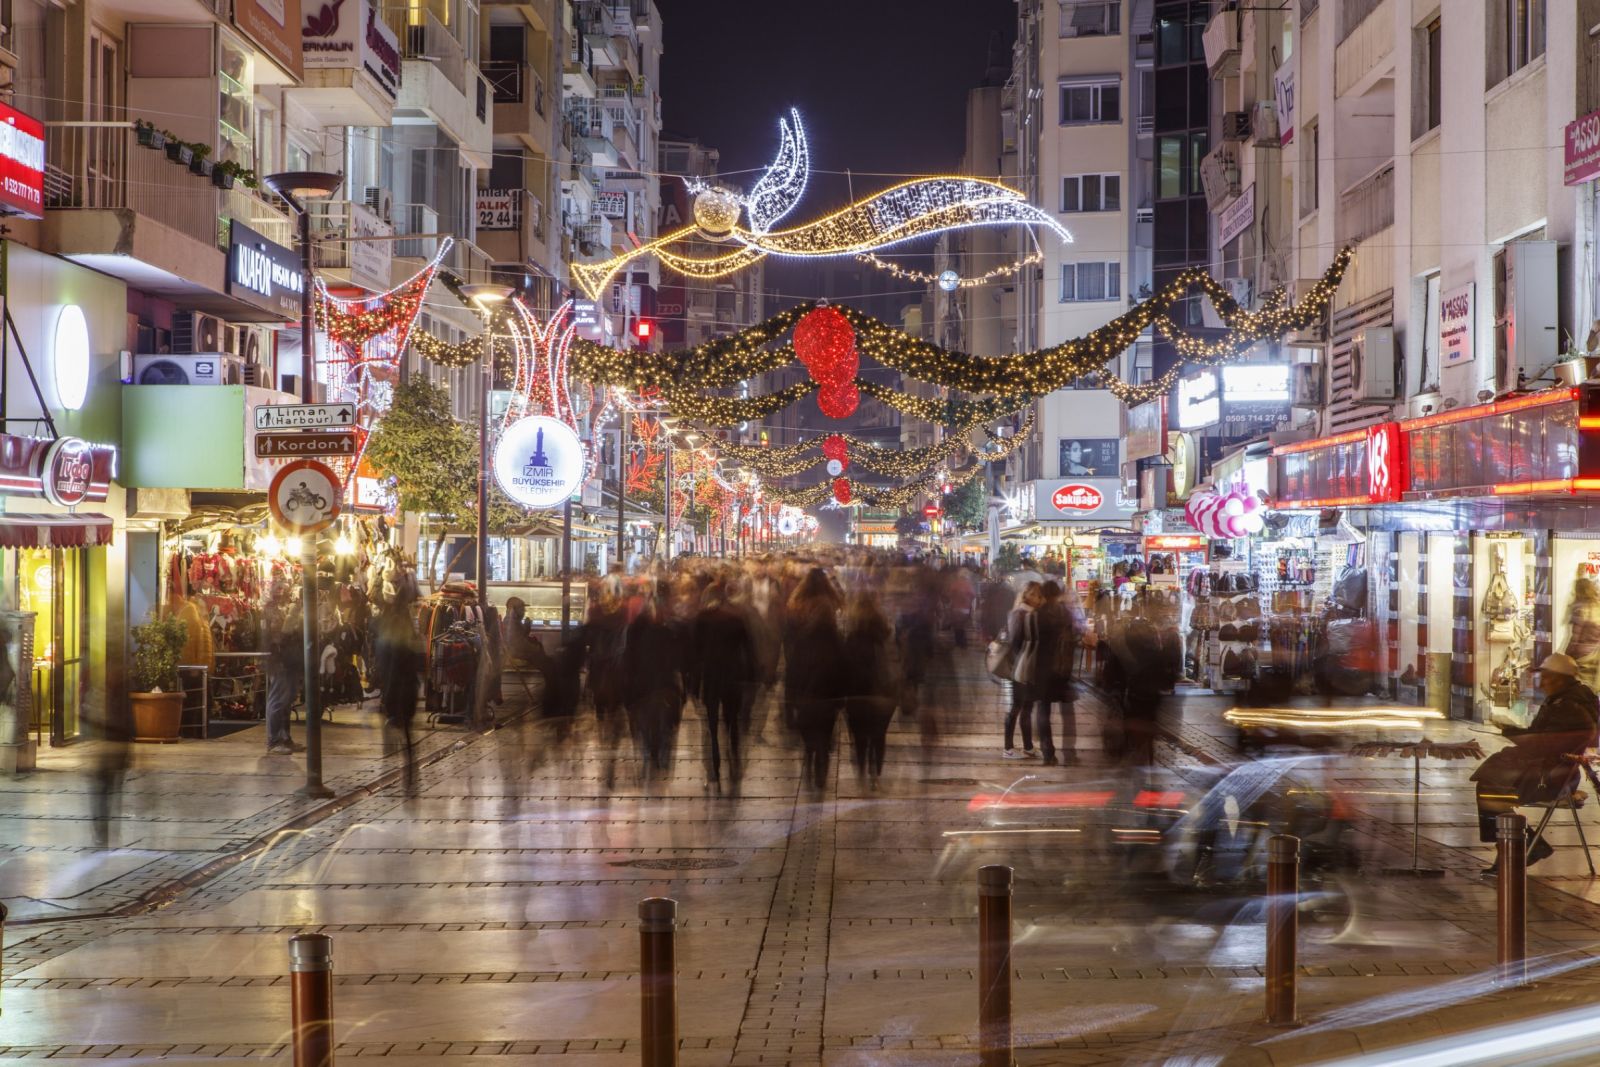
{"x":903,"y":212}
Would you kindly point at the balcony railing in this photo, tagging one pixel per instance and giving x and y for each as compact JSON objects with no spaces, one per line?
{"x":1353,"y":13}
{"x":506,"y":77}
{"x":1591,"y":70}
{"x":94,"y":166}
{"x":1367,"y":206}
{"x":417,"y":218}
{"x":425,"y":38}
{"x":469,"y":262}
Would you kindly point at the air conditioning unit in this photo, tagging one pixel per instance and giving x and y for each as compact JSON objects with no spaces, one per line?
{"x":379,"y":201}
{"x":1236,"y":125}
{"x":1264,"y":124}
{"x":1240,"y":289}
{"x":1372,"y":365}
{"x":1144,"y":214}
{"x":195,"y":368}
{"x":1305,"y":385}
{"x":193,"y":331}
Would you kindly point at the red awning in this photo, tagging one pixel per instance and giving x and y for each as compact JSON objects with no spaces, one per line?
{"x":31,"y":530}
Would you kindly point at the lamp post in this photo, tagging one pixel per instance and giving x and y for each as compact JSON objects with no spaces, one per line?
{"x":298,"y":189}
{"x":485,"y":297}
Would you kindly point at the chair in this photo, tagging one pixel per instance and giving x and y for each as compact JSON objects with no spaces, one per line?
{"x":1570,"y":800}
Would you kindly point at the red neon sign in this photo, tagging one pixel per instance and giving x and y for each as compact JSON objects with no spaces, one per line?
{"x":1077,"y":497}
{"x":21,"y":163}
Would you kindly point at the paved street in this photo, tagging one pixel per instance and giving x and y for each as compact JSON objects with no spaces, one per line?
{"x":492,"y":916}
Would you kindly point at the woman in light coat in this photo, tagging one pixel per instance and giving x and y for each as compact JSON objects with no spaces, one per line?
{"x":1022,"y":633}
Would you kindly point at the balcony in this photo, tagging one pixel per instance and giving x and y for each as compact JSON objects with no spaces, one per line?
{"x":1366,"y":207}
{"x":441,"y":86}
{"x":520,"y":237}
{"x":353,"y":82}
{"x":594,"y":238}
{"x":1366,"y":51}
{"x":577,"y":76}
{"x":365,"y":264}
{"x":519,"y":104}
{"x":1221,"y":41}
{"x":416,"y":219}
{"x":593,"y":130}
{"x":130,"y":212}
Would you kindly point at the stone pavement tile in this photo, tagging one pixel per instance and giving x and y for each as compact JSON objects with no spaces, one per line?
{"x":80,"y":805}
{"x":399,"y":831}
{"x":369,"y":1014}
{"x":313,"y":906}
{"x":174,"y":952}
{"x":522,"y":866}
{"x":52,"y":875}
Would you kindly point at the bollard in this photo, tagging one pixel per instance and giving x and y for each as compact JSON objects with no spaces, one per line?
{"x":994,"y":966}
{"x":3,"y":914}
{"x":311,"y":999}
{"x":1511,"y":947}
{"x":1283,"y":927}
{"x":658,"y":978}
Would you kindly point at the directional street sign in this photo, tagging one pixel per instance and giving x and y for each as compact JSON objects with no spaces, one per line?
{"x":314,"y":443}
{"x":304,"y":416}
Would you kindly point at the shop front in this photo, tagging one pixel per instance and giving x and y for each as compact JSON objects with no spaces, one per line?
{"x":1082,"y":532}
{"x":1478,"y":525}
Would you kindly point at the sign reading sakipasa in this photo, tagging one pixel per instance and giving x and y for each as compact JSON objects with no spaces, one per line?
{"x":263,"y":272}
{"x":1583,"y":149}
{"x":21,"y":163}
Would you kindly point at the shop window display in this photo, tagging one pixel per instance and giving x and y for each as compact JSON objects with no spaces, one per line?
{"x":1575,"y":602}
{"x":1503,"y":626}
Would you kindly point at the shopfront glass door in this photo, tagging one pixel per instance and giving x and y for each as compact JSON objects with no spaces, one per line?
{"x":50,"y":583}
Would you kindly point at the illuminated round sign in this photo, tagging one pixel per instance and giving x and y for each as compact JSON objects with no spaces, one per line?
{"x":69,"y":357}
{"x":304,"y":497}
{"x":949,"y":281}
{"x":68,"y":465}
{"x":539,"y":461}
{"x":789,"y":521}
{"x":835,"y":468}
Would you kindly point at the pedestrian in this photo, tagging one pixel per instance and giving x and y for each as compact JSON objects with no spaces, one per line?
{"x":284,"y":643}
{"x":869,"y":685}
{"x":1538,"y":764}
{"x":652,"y":681}
{"x":1059,"y":631}
{"x":1138,"y":674}
{"x":1583,"y":625}
{"x":398,"y":652}
{"x":994,"y":606}
{"x":811,"y":672}
{"x":728,"y":672}
{"x":1022,"y":635}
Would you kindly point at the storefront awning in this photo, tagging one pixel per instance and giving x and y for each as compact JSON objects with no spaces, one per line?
{"x":30,"y":530}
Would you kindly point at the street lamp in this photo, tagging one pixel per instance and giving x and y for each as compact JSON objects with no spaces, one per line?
{"x":485,"y":297}
{"x":299,"y":189}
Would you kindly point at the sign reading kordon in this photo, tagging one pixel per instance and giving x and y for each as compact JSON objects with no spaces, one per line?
{"x":539,"y":461}
{"x":1083,"y":499}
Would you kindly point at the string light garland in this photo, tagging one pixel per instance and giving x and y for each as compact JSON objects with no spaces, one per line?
{"x":1005,"y":270}
{"x":916,"y":208}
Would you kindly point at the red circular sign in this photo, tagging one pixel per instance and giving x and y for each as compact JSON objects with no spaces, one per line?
{"x":1077,"y":497}
{"x":67,"y":471}
{"x":304,"y":497}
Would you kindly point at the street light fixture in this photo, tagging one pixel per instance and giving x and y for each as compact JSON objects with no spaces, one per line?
{"x":299,"y":189}
{"x":485,"y":297}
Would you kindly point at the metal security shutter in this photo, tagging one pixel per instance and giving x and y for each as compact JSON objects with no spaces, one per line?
{"x":1343,"y":412}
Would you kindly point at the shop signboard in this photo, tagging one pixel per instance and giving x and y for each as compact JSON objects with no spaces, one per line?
{"x":1255,"y":398}
{"x":1082,"y":499}
{"x":670,"y":312}
{"x":304,"y":416}
{"x":21,"y":163}
{"x":1088,"y":457}
{"x":293,"y":445}
{"x":371,"y":257}
{"x":276,"y":26}
{"x":588,"y":321}
{"x":1185,"y":458}
{"x":263,"y":273}
{"x":1237,"y":217}
{"x":339,"y":35}
{"x":611,"y":204}
{"x":1175,"y":543}
{"x":1456,"y":310}
{"x":1582,"y":154}
{"x":539,"y":461}
{"x":304,"y":497}
{"x":66,"y":471}
{"x":499,"y":209}
{"x":1283,"y":91}
{"x":1147,"y":430}
{"x":1199,"y":402}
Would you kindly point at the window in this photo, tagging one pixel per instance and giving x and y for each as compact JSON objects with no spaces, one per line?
{"x":1091,"y":192}
{"x":1310,"y":168}
{"x":1091,"y":100}
{"x":1516,"y":36}
{"x":1090,"y":18}
{"x":1199,"y":144}
{"x":1086,"y":282}
{"x":1428,"y":79}
{"x":1169,"y":167}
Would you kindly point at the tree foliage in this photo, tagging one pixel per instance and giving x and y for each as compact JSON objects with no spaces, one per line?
{"x":968,"y":505}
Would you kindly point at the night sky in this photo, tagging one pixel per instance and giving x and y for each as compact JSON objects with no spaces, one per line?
{"x":881,"y":84}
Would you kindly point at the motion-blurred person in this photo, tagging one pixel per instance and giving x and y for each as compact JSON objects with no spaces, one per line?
{"x":1058,"y":649}
{"x":812,"y":672}
{"x":728,"y":672}
{"x":960,"y":593}
{"x":1583,"y":622}
{"x":1535,"y":769}
{"x":652,"y":682}
{"x":109,"y":721}
{"x":284,"y":643}
{"x":994,"y":606}
{"x":398,"y":655}
{"x":602,"y":638}
{"x":869,"y":685}
{"x":1138,"y":674}
{"x":1022,"y":634}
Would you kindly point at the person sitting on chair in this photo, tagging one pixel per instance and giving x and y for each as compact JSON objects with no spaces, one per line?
{"x":1535,"y":768}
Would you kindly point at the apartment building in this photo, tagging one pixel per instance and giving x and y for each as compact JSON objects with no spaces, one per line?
{"x":691,"y":311}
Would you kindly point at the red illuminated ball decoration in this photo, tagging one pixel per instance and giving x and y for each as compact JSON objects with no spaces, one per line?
{"x":825,"y":342}
{"x":841,"y":490}
{"x":838,"y":401}
{"x":835,"y":447}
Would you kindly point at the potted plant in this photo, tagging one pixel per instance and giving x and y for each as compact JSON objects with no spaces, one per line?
{"x":224,"y":174}
{"x":178,"y":150}
{"x":201,"y":163}
{"x":156,"y":698}
{"x":149,"y":136}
